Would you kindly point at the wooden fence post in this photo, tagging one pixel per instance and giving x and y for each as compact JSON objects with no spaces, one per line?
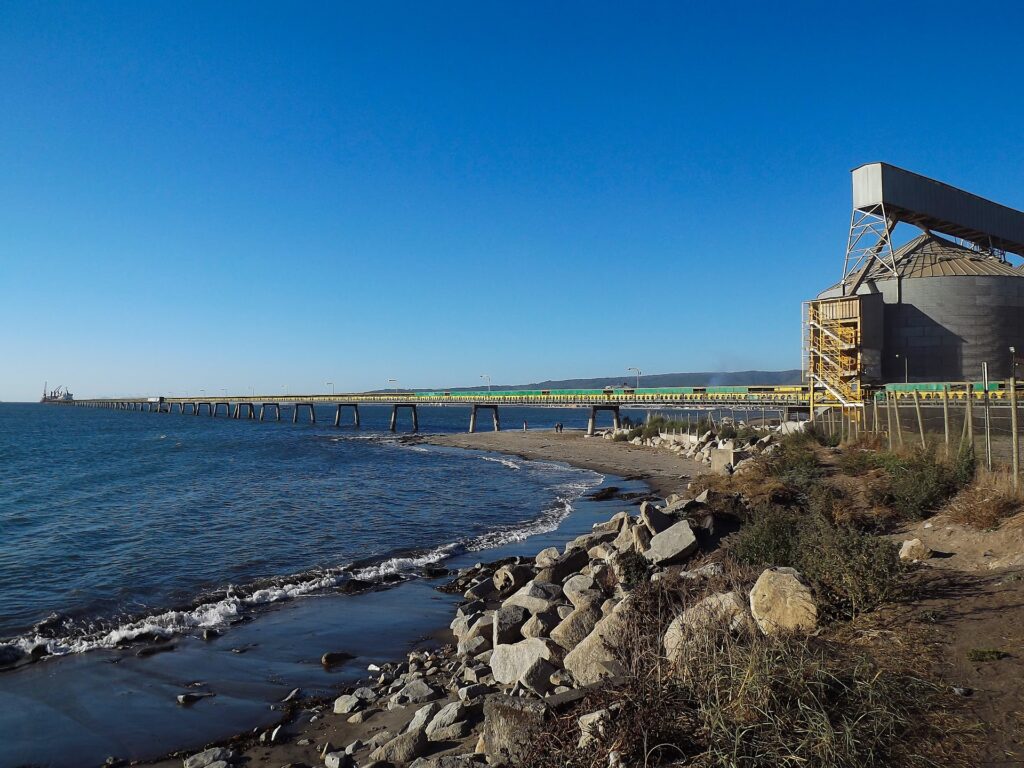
{"x":920,"y":421}
{"x":899,"y":427}
{"x":1014,"y":437}
{"x":945,"y":415}
{"x":888,"y":412}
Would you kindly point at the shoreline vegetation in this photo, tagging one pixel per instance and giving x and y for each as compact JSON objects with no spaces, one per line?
{"x":820,"y":605}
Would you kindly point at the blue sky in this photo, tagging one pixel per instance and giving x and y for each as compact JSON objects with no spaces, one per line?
{"x":235,"y":194}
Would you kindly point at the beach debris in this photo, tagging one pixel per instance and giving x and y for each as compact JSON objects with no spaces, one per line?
{"x":294,"y":694}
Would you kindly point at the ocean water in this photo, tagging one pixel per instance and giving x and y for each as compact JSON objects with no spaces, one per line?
{"x":120,"y":527}
{"x":114,"y":524}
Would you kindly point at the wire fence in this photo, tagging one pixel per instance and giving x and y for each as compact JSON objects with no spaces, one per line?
{"x":987,"y":426}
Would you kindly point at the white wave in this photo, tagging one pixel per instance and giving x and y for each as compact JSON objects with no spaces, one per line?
{"x":404,"y":564}
{"x":221,"y":612}
{"x":503,"y":461}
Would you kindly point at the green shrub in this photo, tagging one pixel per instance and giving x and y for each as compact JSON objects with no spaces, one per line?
{"x":851,"y":571}
{"x":795,"y":463}
{"x":918,"y":483}
{"x":633,"y":567}
{"x":986,"y":654}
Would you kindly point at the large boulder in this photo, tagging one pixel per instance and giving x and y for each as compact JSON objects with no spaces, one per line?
{"x":448,"y":715}
{"x":508,"y":621}
{"x":565,"y":566}
{"x":537,"y":676}
{"x":624,"y":541}
{"x":537,"y":596}
{"x":511,"y":577}
{"x":673,"y":545}
{"x":613,"y":525}
{"x":423,"y":716}
{"x":728,"y":609}
{"x":641,"y":538}
{"x":402,"y":749}
{"x":579,"y":588}
{"x":417,"y":692}
{"x":541,"y":624}
{"x":654,"y":519}
{"x":577,"y":625}
{"x":511,"y":661}
{"x":781,"y":601}
{"x":546,"y":557}
{"x":508,"y":724}
{"x":593,"y":658}
{"x":590,"y":540}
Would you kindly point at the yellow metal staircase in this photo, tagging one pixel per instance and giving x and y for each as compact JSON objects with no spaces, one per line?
{"x":832,"y":347}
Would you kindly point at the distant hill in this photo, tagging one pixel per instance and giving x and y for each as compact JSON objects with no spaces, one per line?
{"x":701,"y":379}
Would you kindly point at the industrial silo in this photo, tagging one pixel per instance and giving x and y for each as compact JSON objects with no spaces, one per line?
{"x":932,"y":310}
{"x":945,"y":311}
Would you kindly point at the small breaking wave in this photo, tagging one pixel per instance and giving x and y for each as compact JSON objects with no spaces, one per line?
{"x":237,"y":603}
{"x":503,"y":461}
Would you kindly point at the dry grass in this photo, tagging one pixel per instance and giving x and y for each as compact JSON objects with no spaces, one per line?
{"x":853,"y":696}
{"x":987,"y":501}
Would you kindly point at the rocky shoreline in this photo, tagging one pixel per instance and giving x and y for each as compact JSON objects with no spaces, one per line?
{"x":532,"y":637}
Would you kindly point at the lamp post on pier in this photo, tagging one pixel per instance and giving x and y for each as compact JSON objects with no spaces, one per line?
{"x":331,"y":385}
{"x":638,"y":372}
{"x":486,"y":378}
{"x":906,"y":367}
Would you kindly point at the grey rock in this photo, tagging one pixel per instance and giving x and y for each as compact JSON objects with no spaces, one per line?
{"x":510,"y":662}
{"x":508,"y":722}
{"x":404,"y":748}
{"x":577,"y":625}
{"x":208,"y":757}
{"x":546,"y":557}
{"x":480,"y":590}
{"x":454,"y":732}
{"x":508,"y":621}
{"x":536,"y":596}
{"x":592,"y":727}
{"x":577,"y":586}
{"x":473,"y":645}
{"x":423,"y":717}
{"x":470,"y":692}
{"x":593,"y":658}
{"x":541,"y":624}
{"x":537,"y":676}
{"x":338,"y":760}
{"x":673,"y":545}
{"x":417,"y":692}
{"x":565,"y":566}
{"x":511,"y":577}
{"x":346,"y":704}
{"x":654,"y":519}
{"x":380,"y":738}
{"x":450,"y":713}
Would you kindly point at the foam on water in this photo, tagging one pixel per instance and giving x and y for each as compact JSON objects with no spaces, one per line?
{"x":237,"y":602}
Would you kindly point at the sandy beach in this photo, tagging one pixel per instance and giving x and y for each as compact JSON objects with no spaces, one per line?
{"x":663,"y":471}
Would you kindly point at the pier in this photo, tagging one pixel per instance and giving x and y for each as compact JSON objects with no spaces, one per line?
{"x":781,"y":402}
